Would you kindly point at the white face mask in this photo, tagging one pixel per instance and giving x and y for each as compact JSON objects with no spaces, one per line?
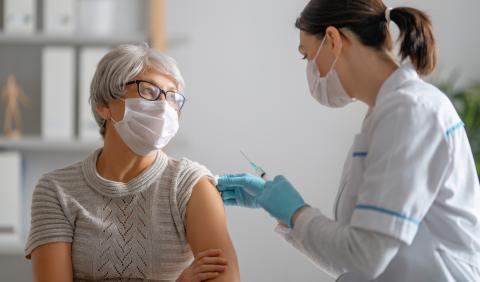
{"x":147,"y":125}
{"x":327,"y":90}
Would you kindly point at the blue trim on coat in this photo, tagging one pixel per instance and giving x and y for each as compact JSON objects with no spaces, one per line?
{"x":455,"y":127}
{"x":359,"y":154}
{"x":389,"y":212}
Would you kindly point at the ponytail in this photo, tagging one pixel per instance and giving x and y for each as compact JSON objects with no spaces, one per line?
{"x":368,"y":20}
{"x":416,"y":36}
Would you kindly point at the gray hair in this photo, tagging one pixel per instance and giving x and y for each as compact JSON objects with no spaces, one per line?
{"x":121,"y":65}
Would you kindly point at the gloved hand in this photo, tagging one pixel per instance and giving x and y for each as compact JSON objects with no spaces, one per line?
{"x":240,"y":189}
{"x":280,"y":199}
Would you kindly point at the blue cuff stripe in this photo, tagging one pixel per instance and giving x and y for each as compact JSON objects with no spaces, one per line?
{"x":389,"y":212}
{"x":359,"y":154}
{"x":455,"y":127}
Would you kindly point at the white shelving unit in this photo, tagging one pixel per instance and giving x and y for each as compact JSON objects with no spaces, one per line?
{"x":40,"y":39}
{"x":38,"y":157}
{"x":11,"y":249}
{"x":71,"y":40}
{"x":37,"y":144}
{"x":41,"y":155}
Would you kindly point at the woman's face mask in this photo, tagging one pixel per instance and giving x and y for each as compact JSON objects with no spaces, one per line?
{"x":147,"y":125}
{"x":327,"y":90}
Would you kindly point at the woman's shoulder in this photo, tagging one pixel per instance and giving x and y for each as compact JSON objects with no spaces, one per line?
{"x":186,"y":173}
{"x":185,"y":166}
{"x":61,"y":178}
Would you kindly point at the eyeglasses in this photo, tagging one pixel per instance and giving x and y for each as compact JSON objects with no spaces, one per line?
{"x":149,"y":91}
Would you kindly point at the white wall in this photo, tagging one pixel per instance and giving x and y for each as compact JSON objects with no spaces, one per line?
{"x":247,"y":90}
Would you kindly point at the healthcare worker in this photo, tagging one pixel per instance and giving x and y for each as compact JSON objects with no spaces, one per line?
{"x":408,"y":207}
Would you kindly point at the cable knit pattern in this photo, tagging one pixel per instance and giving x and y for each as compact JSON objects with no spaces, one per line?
{"x":123,"y":248}
{"x":131,"y":231}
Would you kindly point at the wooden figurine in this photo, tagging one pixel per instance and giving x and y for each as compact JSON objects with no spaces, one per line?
{"x":13,"y":97}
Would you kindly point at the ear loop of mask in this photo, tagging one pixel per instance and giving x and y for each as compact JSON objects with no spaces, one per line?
{"x":319,"y":48}
{"x":318,"y":52}
{"x":335,"y":61}
{"x":336,"y":58}
{"x":111,"y":116}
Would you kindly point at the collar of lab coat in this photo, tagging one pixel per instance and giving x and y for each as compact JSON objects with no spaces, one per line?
{"x":404,"y":73}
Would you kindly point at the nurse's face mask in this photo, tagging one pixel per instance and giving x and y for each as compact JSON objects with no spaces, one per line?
{"x":327,"y":90}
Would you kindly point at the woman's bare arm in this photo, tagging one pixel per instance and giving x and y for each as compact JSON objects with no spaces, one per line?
{"x":52,"y":263}
{"x":207,"y":227}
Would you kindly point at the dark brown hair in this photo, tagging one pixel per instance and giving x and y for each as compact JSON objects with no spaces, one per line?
{"x":366,"y":19}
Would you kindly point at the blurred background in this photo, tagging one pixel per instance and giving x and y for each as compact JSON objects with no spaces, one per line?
{"x":246,"y":89}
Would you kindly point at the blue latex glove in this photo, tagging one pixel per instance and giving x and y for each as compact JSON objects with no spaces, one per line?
{"x":280,"y":199}
{"x":240,"y":189}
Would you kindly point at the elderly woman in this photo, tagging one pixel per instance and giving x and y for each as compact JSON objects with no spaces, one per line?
{"x":128,"y":211}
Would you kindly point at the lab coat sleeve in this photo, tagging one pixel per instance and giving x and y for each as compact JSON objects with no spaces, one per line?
{"x":338,"y":249}
{"x":407,"y":159}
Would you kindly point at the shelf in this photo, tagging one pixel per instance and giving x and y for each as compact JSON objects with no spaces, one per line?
{"x":81,"y":40}
{"x":11,"y":248}
{"x":39,"y":144}
{"x":48,"y":39}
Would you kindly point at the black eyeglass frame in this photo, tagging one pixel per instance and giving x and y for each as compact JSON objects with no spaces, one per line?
{"x":138,"y":81}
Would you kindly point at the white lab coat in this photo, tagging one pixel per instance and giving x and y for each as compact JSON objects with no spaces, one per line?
{"x":408,"y":207}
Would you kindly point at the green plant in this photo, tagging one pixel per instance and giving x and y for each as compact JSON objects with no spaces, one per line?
{"x":467,"y":102}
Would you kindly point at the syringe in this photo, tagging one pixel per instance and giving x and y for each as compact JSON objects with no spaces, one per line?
{"x":257,"y":168}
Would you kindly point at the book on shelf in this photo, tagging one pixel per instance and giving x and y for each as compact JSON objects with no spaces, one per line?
{"x":89,"y":58}
{"x":59,"y":16}
{"x":10,"y":195}
{"x":19,"y":16}
{"x":96,"y":17}
{"x":58,"y":79}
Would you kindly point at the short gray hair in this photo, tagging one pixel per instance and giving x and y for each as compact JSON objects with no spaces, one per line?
{"x":121,"y":65}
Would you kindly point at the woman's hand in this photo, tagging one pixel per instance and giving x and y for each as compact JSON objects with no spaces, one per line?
{"x":207,"y":265}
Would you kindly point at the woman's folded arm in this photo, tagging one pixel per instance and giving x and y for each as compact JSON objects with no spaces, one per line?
{"x":52,"y":263}
{"x":206,"y":227}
